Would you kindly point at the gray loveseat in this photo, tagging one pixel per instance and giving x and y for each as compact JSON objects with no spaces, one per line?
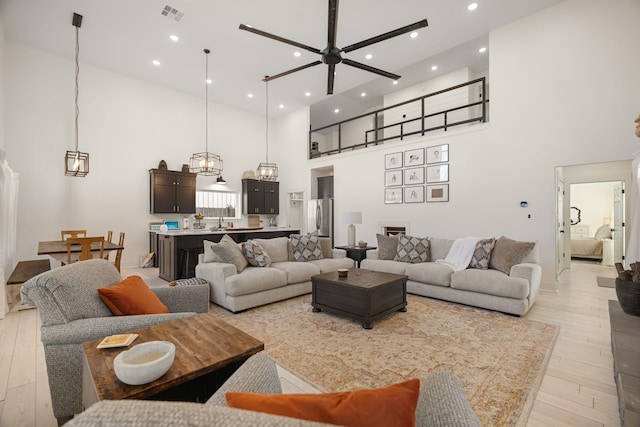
{"x":512,"y":293}
{"x":442,"y":403}
{"x":71,"y":312}
{"x":255,"y":286}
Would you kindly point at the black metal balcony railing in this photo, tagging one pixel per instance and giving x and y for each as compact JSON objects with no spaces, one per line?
{"x":440,"y":110}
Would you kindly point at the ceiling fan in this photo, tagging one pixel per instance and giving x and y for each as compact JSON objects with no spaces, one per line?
{"x":332,"y":55}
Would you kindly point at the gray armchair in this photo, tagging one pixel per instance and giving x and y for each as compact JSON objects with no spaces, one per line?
{"x":72,"y":312}
{"x":442,"y":403}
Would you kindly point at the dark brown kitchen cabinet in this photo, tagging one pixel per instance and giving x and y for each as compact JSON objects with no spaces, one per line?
{"x":260,"y":197}
{"x":172,"y":191}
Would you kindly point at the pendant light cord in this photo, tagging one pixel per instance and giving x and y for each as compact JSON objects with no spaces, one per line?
{"x":76,"y":82}
{"x":206,"y":104}
{"x":267,"y":116}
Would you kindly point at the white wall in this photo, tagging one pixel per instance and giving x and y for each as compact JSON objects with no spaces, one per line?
{"x":127,"y":127}
{"x":564,"y":91}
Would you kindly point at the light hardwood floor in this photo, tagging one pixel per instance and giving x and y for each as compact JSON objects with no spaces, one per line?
{"x":578,"y":388}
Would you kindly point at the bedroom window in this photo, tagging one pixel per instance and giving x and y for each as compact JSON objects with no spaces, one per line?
{"x":215,"y":204}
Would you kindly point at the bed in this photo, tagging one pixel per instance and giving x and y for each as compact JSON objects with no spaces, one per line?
{"x":590,"y":247}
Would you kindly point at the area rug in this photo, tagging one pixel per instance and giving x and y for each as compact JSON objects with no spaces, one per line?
{"x":499,"y":360}
{"x":606,"y":282}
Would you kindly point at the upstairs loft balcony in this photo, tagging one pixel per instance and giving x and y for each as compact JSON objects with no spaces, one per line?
{"x":460,"y":105}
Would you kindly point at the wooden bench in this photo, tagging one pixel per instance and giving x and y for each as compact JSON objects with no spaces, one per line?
{"x":25,"y":270}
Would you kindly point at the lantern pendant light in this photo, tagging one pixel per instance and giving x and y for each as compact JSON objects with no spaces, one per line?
{"x":206,"y":163}
{"x":267,"y":171}
{"x":76,"y":163}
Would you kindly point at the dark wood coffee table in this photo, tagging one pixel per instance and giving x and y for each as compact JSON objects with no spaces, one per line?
{"x":208,"y":351}
{"x":363,"y":295}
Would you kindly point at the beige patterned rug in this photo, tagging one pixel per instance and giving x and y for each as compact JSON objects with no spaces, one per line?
{"x":499,"y":359}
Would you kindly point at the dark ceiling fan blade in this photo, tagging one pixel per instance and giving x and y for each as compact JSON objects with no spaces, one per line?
{"x":278,"y":38}
{"x":386,"y":36}
{"x":332,"y":24}
{"x":330,"y":78}
{"x":370,"y":69}
{"x":269,"y":78}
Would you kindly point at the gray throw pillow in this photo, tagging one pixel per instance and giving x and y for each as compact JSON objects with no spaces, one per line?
{"x":255,"y":254}
{"x":507,"y":253}
{"x":387,"y":246}
{"x":412,"y":249}
{"x":482,"y":254}
{"x":227,"y":251}
{"x":305,"y":247}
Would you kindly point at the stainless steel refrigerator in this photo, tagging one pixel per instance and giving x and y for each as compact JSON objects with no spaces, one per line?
{"x":320,"y":217}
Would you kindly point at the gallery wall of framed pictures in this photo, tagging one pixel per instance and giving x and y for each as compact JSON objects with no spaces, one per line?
{"x":417,"y":176}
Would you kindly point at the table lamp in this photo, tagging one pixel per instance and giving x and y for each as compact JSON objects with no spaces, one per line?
{"x":352,"y":218}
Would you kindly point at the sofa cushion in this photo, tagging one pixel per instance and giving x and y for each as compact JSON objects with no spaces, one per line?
{"x":131,"y":297}
{"x":387,"y":246}
{"x":227,"y":251}
{"x":254,"y":279}
{"x":490,"y":282}
{"x":412,"y":249}
{"x":277,"y":248}
{"x":394,"y":405}
{"x":482,"y":254}
{"x":255,"y":255}
{"x":384,"y":265}
{"x":327,"y":265}
{"x":439,"y":248}
{"x":297,"y":271}
{"x":507,"y":253}
{"x":430,"y":272}
{"x":305,"y":247}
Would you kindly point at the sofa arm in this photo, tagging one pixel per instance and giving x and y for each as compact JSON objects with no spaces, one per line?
{"x":179,"y":299}
{"x":339,"y":253}
{"x":257,"y":375}
{"x":442,"y":403}
{"x":531,"y":272}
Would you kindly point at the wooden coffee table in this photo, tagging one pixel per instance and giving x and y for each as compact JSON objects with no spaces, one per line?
{"x":208,"y":351}
{"x":363,"y":295}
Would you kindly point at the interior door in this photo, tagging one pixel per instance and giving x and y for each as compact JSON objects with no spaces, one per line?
{"x":618,"y":222}
{"x":560,"y":251}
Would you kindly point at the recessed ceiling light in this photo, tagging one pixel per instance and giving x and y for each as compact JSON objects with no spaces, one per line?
{"x":434,"y":67}
{"x":250,"y":95}
{"x":307,"y":94}
{"x":413,"y":35}
{"x":368,"y":56}
{"x":472,"y":6}
{"x":155,"y":62}
{"x":337,"y":110}
{"x":174,"y":37}
{"x":281,"y":105}
{"x":363,"y":94}
{"x":395,"y":82}
{"x":296,"y":54}
{"x":209,"y":81}
{"x":482,"y":49}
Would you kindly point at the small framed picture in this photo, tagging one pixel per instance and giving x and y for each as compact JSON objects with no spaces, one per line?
{"x":393,"y":178}
{"x":413,"y":176}
{"x":438,"y":193}
{"x":438,"y":154}
{"x":392,"y":195}
{"x":393,"y":161}
{"x":414,"y":194}
{"x":439,"y":173}
{"x":414,"y":157}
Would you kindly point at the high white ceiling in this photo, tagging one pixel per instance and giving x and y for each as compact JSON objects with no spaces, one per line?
{"x":124,"y":36}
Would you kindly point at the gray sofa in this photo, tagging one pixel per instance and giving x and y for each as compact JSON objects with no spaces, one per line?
{"x":442,"y":403}
{"x":255,"y":286}
{"x":71,"y":312}
{"x":512,"y":293}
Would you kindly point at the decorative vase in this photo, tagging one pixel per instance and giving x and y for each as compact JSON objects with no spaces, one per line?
{"x":628,"y":293}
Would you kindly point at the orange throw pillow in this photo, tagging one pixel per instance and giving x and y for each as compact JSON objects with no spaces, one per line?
{"x":390,"y":406}
{"x":131,"y":296}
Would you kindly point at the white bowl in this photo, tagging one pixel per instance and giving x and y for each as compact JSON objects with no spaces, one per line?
{"x":144,"y":362}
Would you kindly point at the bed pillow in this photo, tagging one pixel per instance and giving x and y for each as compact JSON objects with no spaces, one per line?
{"x":387,"y":246}
{"x":394,"y":405}
{"x":507,"y":253}
{"x":482,"y":254}
{"x":412,"y":249}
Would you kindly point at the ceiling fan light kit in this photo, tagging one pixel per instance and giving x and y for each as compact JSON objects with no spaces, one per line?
{"x":332,"y":55}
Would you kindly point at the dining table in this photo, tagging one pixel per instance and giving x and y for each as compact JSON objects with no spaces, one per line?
{"x":57,"y":249}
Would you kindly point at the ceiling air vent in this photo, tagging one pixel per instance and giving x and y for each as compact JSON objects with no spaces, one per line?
{"x":173,"y":13}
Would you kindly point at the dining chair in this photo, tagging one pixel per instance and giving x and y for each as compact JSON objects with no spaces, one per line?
{"x":119,"y":252}
{"x":108,"y":239}
{"x":85,"y":247}
{"x":73,"y":233}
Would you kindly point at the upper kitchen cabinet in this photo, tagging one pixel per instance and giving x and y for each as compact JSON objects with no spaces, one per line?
{"x":172,"y":191}
{"x":260,"y":197}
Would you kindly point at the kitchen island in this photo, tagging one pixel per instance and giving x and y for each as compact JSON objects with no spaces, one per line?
{"x":177,"y":250}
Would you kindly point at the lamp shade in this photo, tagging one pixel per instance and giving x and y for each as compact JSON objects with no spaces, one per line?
{"x":352,"y":217}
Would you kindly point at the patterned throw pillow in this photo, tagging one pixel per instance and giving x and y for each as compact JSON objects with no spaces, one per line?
{"x":482,"y":254}
{"x":189,"y":282}
{"x":306,"y":247}
{"x":412,"y":249}
{"x":255,"y":254}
